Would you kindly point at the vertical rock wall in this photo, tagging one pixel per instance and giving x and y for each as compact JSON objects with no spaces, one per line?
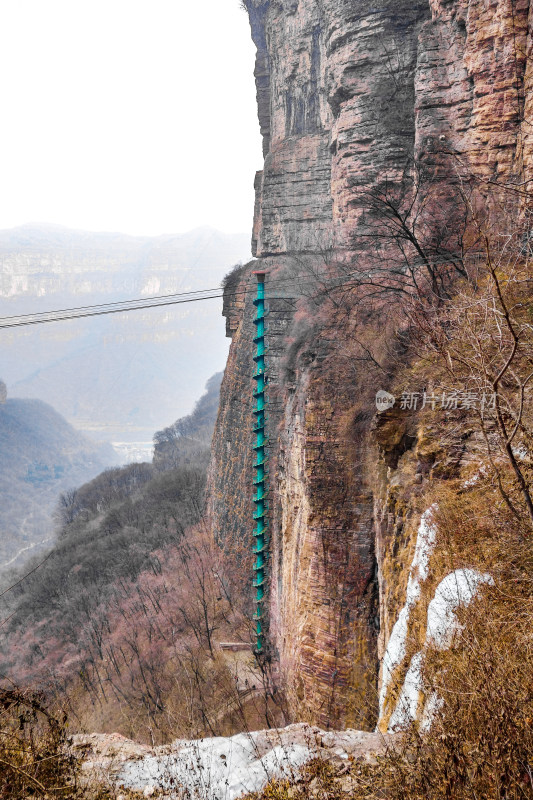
{"x":349,"y":93}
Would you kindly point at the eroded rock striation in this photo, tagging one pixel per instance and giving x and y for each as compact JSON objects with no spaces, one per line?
{"x":350,"y":96}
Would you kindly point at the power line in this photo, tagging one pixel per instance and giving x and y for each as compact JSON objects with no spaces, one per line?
{"x":79,"y":315}
{"x":139,"y":304}
{"x":115,"y":303}
{"x":79,"y":312}
{"x":27,"y":575}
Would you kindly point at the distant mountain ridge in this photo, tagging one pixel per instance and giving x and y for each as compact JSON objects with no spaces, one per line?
{"x":123,"y":376}
{"x":42,"y":455}
{"x":49,"y":259}
{"x":123,"y":533}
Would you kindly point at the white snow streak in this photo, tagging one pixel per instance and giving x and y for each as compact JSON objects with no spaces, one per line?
{"x":395,"y":652}
{"x":455,"y":590}
{"x":407,"y":707}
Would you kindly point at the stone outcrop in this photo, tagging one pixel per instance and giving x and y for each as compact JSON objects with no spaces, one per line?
{"x":208,"y":769}
{"x":351,"y":96}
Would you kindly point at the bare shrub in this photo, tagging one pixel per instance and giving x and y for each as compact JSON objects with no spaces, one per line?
{"x":480,"y":743}
{"x":34,"y":756}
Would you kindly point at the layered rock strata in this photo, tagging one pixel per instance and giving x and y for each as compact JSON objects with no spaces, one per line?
{"x":351,"y":97}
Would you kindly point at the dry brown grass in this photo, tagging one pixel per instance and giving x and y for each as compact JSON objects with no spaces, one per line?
{"x":480,"y":745}
{"x":34,"y":756}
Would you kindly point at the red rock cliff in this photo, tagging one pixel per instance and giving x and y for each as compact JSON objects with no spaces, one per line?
{"x":349,"y":93}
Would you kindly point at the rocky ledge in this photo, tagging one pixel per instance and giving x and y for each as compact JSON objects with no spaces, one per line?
{"x":222,"y":768}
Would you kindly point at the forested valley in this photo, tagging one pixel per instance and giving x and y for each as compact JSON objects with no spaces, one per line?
{"x":120,"y":622}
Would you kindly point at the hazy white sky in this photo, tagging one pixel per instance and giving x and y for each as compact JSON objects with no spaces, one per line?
{"x":127,"y":115}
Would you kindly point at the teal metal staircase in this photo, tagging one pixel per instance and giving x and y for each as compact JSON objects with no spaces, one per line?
{"x":260,"y":465}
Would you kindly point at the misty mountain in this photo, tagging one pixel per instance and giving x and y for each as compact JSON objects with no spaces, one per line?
{"x":121,"y":376}
{"x":114,"y":533}
{"x":188,"y":440}
{"x":42,"y":455}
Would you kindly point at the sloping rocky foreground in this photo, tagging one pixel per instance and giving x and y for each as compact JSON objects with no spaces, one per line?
{"x":223,"y":768}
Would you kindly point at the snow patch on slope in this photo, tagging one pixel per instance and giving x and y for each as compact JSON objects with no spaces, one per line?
{"x":223,"y":768}
{"x":455,"y":590}
{"x":215,"y":769}
{"x":395,"y":652}
{"x":408,"y":704}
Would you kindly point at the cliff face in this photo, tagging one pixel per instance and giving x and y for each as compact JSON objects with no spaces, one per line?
{"x":350,"y":97}
{"x":341,"y":113}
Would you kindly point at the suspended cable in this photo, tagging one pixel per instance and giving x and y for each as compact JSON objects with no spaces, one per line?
{"x":81,"y":315}
{"x":115,"y":303}
{"x":139,"y":304}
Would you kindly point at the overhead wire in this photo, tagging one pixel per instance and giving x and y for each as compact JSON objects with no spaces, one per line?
{"x":99,"y":313}
{"x":139,"y":304}
{"x":129,"y":305}
{"x":114,"y":303}
{"x":120,"y":306}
